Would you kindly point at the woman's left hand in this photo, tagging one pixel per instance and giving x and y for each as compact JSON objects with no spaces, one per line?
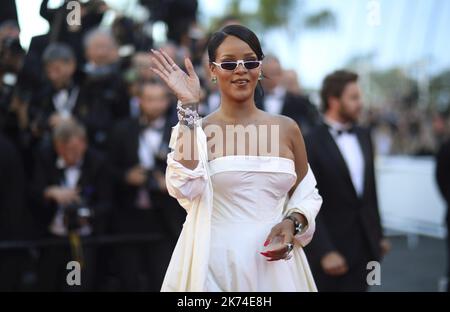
{"x":285,"y":231}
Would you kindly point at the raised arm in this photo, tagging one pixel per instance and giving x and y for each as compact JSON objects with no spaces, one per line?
{"x":186,"y":87}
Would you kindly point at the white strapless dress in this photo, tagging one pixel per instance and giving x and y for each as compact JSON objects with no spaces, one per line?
{"x":232,"y":203}
{"x":249,"y":195}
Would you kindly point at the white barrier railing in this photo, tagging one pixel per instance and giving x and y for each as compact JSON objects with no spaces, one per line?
{"x":408,"y":195}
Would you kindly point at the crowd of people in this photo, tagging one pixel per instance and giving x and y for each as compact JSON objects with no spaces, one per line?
{"x":410,"y":131}
{"x":84,"y":132}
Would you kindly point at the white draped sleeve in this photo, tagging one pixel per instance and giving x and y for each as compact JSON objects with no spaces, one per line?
{"x":307,"y":201}
{"x":188,"y":266}
{"x":184,"y":184}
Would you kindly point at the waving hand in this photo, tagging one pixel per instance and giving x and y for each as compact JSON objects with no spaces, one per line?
{"x":185,"y":86}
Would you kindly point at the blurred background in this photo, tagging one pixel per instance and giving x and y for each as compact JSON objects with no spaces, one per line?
{"x":93,"y":65}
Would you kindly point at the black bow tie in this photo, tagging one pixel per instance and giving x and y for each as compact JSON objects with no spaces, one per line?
{"x":342,"y":131}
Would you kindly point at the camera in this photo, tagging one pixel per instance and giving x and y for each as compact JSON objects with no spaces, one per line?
{"x":77,"y":217}
{"x":11,"y":54}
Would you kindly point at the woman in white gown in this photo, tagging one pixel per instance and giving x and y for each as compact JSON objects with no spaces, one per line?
{"x":249,"y":214}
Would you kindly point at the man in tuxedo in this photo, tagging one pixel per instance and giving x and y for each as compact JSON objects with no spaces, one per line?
{"x":348,"y":233}
{"x":57,"y":100}
{"x":138,"y":152}
{"x":94,"y":101}
{"x":105,"y":92}
{"x":443,"y":181}
{"x":278,"y":100}
{"x":72,"y":196}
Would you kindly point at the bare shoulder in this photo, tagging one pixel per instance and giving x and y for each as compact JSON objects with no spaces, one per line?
{"x":288,"y":126}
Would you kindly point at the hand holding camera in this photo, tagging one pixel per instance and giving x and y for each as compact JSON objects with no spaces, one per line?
{"x":62,"y":195}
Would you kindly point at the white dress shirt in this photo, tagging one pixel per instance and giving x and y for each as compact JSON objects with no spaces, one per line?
{"x":274,"y":100}
{"x":351,"y":151}
{"x":149,"y":143}
{"x":64,"y":101}
{"x":135,"y":109}
{"x":71,"y":177}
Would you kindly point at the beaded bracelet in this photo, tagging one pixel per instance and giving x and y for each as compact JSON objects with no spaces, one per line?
{"x":186,"y":115}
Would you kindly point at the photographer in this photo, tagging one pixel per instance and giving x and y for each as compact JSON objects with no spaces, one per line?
{"x":177,"y":14}
{"x":60,"y":31}
{"x":138,"y":152}
{"x":91,"y":12}
{"x":11,"y":61}
{"x":104,"y":90}
{"x":58,"y":100}
{"x":130,"y":36}
{"x":72,"y":196}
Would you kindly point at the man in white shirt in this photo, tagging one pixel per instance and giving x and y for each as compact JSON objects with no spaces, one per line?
{"x":57,"y":100}
{"x":279,"y":100}
{"x":349,"y":232}
{"x":71,"y":198}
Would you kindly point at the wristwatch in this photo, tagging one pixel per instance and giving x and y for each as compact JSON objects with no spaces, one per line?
{"x":297,"y":225}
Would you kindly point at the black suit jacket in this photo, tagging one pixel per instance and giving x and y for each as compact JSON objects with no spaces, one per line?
{"x":12,"y":191}
{"x":346,"y":223}
{"x":98,"y":105}
{"x":42,"y":107}
{"x":94,"y":184}
{"x":9,"y":11}
{"x":167,"y":215}
{"x":443,"y":173}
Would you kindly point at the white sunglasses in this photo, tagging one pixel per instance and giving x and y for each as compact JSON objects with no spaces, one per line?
{"x":234,"y":65}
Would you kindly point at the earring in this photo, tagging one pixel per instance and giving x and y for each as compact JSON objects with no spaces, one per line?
{"x":260,"y":77}
{"x":214,"y":79}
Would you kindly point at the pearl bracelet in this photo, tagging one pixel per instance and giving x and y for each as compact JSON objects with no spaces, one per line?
{"x":187,"y":116}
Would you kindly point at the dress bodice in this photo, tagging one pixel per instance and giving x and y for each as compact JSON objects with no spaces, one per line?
{"x":250,"y":188}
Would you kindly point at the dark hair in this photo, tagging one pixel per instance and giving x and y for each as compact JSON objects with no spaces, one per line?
{"x":58,"y":52}
{"x":245,"y":35}
{"x":238,"y":31}
{"x":334,"y":85}
{"x":9,"y":24}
